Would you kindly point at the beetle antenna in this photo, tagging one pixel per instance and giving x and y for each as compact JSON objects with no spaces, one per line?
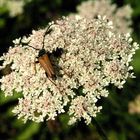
{"x":27,"y":44}
{"x":33,"y":47}
{"x":48,"y":30}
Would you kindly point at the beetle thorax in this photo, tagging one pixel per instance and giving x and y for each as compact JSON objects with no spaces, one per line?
{"x":42,"y":52}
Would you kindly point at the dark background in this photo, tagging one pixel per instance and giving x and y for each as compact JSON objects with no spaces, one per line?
{"x":114,"y":118}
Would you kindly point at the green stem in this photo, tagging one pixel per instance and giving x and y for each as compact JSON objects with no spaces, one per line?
{"x":99,"y":129}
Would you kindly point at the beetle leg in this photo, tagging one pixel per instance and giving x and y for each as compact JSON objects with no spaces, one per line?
{"x":68,"y":74}
{"x":54,"y":84}
{"x":34,"y":66}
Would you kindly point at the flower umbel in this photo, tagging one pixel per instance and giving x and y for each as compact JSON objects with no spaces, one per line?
{"x":121,"y":16}
{"x":85,"y":54}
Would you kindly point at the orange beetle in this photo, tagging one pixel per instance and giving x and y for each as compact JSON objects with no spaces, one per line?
{"x":44,"y":60}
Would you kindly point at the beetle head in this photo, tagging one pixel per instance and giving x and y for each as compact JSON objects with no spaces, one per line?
{"x":41,"y":52}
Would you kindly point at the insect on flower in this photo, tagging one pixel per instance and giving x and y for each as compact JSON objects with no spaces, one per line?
{"x":43,"y":58}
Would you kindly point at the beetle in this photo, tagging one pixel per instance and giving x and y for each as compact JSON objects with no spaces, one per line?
{"x":46,"y":63}
{"x":44,"y":60}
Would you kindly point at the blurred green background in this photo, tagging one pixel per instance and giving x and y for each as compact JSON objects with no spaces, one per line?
{"x":114,"y":118}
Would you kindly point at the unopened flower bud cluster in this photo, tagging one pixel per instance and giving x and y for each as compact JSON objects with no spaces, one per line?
{"x":121,"y":16}
{"x":92,"y":57}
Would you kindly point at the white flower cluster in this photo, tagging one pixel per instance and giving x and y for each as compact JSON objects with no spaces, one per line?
{"x":121,"y":17}
{"x":92,"y":56}
{"x":15,"y":7}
